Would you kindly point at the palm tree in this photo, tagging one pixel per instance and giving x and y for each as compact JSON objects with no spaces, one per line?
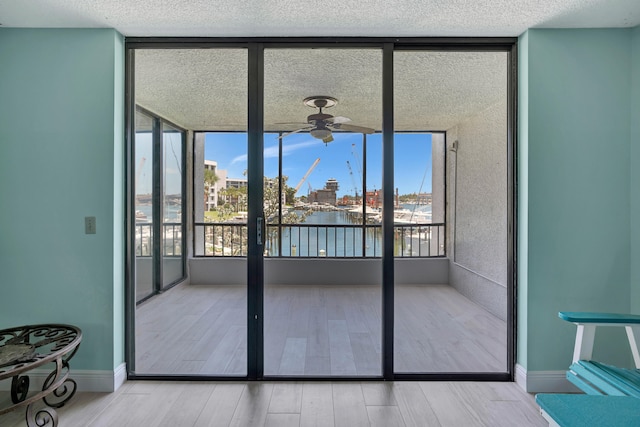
{"x":210,"y":179}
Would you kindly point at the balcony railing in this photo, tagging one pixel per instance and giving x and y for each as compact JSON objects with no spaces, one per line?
{"x":321,"y":240}
{"x":171,"y":238}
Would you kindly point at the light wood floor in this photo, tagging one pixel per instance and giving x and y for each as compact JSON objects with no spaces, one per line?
{"x":283,"y":404}
{"x":317,"y":330}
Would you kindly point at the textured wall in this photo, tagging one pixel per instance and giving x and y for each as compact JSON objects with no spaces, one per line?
{"x":61,"y":142}
{"x":481,"y":194}
{"x":477,"y":207}
{"x":438,"y":160}
{"x":212,"y":271}
{"x":489,"y":294}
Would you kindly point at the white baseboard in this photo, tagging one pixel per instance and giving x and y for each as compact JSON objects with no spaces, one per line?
{"x":86,"y":380}
{"x":544,"y":381}
{"x":119,"y":376}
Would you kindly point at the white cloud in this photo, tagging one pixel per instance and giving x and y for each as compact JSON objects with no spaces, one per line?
{"x":272,"y":152}
{"x":241,"y":158}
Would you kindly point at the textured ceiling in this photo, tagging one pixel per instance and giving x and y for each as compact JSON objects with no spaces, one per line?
{"x":250,"y":18}
{"x":206,"y":89}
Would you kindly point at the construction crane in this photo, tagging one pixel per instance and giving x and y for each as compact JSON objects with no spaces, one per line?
{"x":355,"y":154}
{"x":306,"y":175}
{"x":353,"y":181}
{"x":364,"y":187}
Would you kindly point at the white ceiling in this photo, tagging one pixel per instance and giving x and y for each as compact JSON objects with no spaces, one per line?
{"x":206,"y":89}
{"x":251,"y":18}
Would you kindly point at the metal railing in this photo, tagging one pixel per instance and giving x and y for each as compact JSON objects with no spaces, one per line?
{"x":221,"y":239}
{"x":171,"y":238}
{"x":419,"y":240}
{"x":324,"y":240}
{"x":321,"y":240}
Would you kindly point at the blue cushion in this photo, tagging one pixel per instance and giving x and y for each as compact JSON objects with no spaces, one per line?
{"x":580,"y":410}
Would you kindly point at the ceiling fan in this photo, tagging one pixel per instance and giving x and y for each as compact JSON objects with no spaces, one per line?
{"x":320,"y":125}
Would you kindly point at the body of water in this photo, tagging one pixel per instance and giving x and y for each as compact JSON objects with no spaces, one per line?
{"x":344,"y":240}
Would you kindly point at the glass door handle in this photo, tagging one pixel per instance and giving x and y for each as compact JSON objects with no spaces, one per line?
{"x":260,"y":231}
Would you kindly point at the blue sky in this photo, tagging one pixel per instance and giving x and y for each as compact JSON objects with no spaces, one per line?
{"x":412,"y":159}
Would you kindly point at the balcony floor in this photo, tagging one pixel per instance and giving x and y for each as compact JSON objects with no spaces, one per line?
{"x":317,"y":331}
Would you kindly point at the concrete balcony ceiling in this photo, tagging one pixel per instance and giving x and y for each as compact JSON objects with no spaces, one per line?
{"x":443,"y":87}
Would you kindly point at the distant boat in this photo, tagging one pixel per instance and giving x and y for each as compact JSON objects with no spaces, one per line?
{"x":406,"y":216}
{"x":240,"y":217}
{"x":370,"y":210}
{"x":141,"y":217}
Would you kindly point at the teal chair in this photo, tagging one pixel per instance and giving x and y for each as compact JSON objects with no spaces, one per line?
{"x":598,"y":378}
{"x":612,"y":396}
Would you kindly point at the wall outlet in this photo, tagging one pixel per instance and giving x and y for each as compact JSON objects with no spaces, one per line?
{"x":89,"y":225}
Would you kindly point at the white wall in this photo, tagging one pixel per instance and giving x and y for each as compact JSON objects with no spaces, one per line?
{"x":477,"y":208}
{"x":312,"y":271}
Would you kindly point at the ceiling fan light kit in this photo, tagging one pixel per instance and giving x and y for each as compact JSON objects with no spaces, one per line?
{"x":320,"y":133}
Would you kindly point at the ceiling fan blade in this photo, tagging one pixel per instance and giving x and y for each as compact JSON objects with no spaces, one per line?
{"x":353,"y":128}
{"x":338,"y":119}
{"x":295,"y":131}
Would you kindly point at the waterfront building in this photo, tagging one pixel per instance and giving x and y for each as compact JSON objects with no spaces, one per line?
{"x":211,"y":196}
{"x":326,"y":195}
{"x":374,"y":198}
{"x":214,"y":197}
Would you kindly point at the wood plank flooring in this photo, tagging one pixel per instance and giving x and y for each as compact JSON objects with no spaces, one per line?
{"x":317,"y":331}
{"x":283,"y":404}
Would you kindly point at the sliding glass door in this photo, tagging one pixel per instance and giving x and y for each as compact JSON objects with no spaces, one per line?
{"x":322,"y":292}
{"x":198,"y":327}
{"x":451,"y":163}
{"x":159,"y":202}
{"x":350,"y":209}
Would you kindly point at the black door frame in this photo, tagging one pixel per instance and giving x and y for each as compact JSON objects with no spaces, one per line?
{"x":256,"y":224}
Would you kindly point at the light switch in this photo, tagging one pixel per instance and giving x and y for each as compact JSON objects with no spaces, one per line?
{"x":89,"y":225}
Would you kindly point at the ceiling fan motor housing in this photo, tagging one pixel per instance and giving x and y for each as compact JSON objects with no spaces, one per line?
{"x":318,"y":119}
{"x":322,"y":124}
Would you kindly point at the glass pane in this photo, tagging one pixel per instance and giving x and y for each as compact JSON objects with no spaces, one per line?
{"x":143,"y":206}
{"x":172,"y":202}
{"x":372,"y":168}
{"x":199,"y":328}
{"x":322,"y":295}
{"x":413,"y":176}
{"x":221,"y":194}
{"x":451,"y":258}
